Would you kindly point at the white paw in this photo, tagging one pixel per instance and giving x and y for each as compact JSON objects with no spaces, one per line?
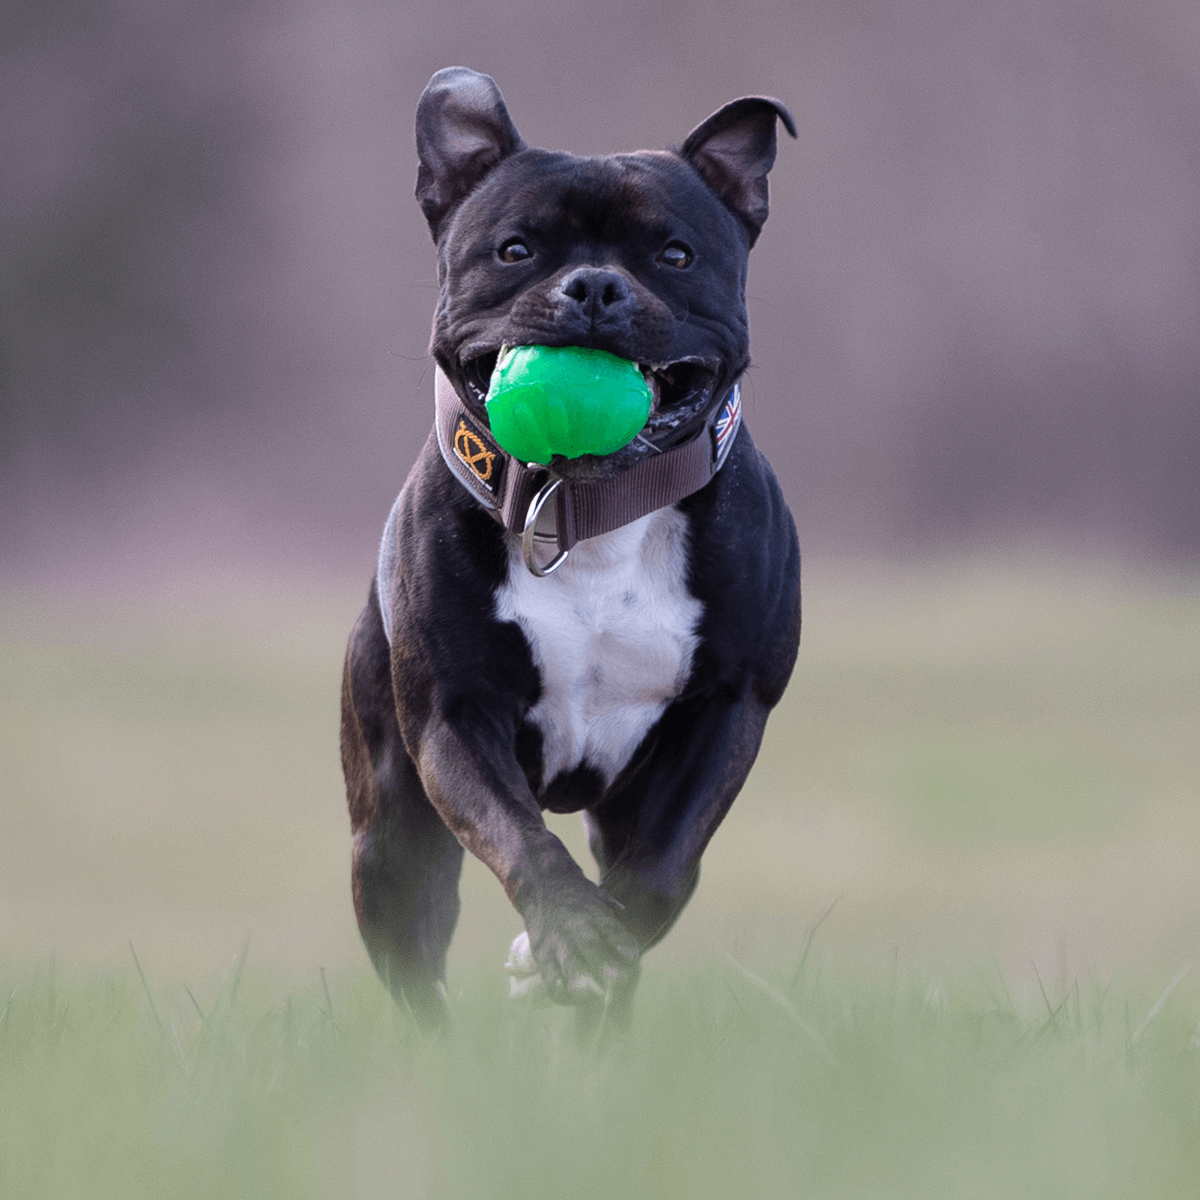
{"x":524,"y":981}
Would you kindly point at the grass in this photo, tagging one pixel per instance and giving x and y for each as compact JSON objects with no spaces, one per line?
{"x":984,"y":778}
{"x":732,"y":1085}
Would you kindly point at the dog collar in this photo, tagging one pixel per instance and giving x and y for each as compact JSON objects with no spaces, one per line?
{"x":515,"y":493}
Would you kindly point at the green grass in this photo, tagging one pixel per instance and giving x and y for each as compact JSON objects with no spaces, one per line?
{"x":991,"y":766}
{"x":732,"y":1085}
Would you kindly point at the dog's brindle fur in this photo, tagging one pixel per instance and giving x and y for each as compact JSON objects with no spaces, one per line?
{"x":635,"y":683}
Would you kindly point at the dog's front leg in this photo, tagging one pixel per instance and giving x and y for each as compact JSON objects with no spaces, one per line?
{"x":648,"y":839}
{"x":580,"y":944}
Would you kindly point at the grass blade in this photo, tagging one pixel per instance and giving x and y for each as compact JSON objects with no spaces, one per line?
{"x":1157,"y":1008}
{"x":146,"y":989}
{"x":812,"y":933}
{"x":784,"y":1003}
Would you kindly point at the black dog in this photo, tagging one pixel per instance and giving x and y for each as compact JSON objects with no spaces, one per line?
{"x":632,"y":683}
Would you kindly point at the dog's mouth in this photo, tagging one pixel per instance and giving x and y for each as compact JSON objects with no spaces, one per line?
{"x":680,"y":391}
{"x":477,"y":374}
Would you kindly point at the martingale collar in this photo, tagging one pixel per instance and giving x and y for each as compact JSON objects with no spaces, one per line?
{"x":515,"y":492}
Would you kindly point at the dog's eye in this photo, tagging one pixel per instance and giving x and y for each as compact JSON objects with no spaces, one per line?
{"x":514,"y":251}
{"x":677,"y":255}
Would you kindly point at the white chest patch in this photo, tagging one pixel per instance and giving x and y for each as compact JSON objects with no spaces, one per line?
{"x":612,"y":632}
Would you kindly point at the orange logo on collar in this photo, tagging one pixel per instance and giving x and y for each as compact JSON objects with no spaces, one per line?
{"x":473,"y":451}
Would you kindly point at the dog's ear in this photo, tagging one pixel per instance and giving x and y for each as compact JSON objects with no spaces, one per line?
{"x":463,"y":131}
{"x":734,"y":150}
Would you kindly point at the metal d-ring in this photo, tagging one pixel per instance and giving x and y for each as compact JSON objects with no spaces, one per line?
{"x":529,"y":536}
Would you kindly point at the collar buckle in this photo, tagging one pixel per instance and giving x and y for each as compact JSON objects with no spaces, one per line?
{"x":530,"y":534}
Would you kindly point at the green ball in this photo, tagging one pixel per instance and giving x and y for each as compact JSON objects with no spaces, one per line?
{"x":565,"y":400}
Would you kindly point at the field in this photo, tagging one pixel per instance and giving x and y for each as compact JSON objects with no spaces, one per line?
{"x":942,"y":947}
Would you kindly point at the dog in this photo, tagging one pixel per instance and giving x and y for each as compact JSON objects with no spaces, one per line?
{"x":606,"y":634}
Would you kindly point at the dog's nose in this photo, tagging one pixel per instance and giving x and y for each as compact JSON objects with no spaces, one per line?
{"x":597,"y":290}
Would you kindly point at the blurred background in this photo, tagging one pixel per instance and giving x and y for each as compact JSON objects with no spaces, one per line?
{"x":974,"y":306}
{"x":975,"y":323}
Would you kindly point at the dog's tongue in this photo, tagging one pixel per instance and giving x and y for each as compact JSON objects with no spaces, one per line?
{"x":565,"y":400}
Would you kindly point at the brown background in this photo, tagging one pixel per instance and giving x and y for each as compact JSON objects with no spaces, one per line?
{"x":974,"y":307}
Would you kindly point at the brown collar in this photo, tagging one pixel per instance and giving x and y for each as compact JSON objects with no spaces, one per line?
{"x":514,"y":492}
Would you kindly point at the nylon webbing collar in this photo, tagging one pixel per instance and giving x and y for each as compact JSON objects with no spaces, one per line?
{"x":508,"y":488}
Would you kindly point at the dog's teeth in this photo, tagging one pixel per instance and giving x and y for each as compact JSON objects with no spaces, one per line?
{"x":655,"y":385}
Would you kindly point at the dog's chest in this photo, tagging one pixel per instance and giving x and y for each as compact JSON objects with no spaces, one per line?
{"x":612,"y":633}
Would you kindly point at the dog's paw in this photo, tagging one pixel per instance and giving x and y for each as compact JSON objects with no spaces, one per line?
{"x":525,"y":981}
{"x":581,"y":950}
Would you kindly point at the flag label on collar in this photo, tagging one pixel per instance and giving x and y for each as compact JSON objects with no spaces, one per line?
{"x":725,"y":427}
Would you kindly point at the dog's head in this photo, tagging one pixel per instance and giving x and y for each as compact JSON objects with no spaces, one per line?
{"x":642,"y":255}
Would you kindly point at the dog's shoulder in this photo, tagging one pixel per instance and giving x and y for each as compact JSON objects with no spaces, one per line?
{"x":441,"y":555}
{"x":745,"y":569}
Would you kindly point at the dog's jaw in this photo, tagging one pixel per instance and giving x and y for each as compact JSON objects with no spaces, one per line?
{"x":683,"y":394}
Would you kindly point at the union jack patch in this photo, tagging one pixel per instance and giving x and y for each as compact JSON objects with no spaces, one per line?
{"x":725,"y":427}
